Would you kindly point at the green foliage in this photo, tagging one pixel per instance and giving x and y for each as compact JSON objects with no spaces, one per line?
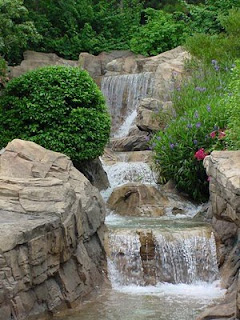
{"x":222,"y":47}
{"x":205,"y":17}
{"x":3,"y":72}
{"x":73,"y":26}
{"x":16,"y":30}
{"x":201,"y":123}
{"x":60,"y":108}
{"x":232,"y":101}
{"x":161,"y":32}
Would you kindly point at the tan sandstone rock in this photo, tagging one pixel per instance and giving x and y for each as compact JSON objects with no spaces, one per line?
{"x":223,"y":167}
{"x":33,"y":60}
{"x":51,"y":232}
{"x":136,"y":199}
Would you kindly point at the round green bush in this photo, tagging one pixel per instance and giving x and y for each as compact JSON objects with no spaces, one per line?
{"x":58,"y":107}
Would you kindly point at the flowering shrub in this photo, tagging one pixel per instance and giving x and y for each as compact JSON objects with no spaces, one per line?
{"x":198,"y":129}
{"x":200,"y":154}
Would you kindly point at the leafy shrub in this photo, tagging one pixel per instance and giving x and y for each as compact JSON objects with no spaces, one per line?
{"x":60,"y":108}
{"x":16,"y":30}
{"x":160,"y":33}
{"x":199,"y":129}
{"x":206,"y":17}
{"x":233,"y":110}
{"x":3,"y":72}
{"x":221,"y":47}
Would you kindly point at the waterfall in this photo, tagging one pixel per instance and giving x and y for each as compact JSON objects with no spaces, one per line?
{"x":123,"y":93}
{"x":149,"y":257}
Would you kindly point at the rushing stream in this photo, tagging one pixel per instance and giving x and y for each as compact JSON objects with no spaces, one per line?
{"x":161,"y":268}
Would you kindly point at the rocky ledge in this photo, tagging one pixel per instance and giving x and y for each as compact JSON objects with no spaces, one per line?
{"x":223,"y":168}
{"x":51,"y":232}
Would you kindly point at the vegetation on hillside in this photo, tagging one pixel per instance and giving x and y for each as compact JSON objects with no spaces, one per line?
{"x":73,"y":26}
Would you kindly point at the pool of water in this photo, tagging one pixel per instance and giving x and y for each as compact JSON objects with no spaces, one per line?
{"x":161,"y":302}
{"x":162,"y":223}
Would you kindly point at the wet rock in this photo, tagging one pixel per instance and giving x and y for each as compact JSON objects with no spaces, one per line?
{"x":94,"y":172}
{"x":51,"y":217}
{"x":145,"y":200}
{"x":137,"y":200}
{"x":137,"y":142}
{"x":110,"y":157}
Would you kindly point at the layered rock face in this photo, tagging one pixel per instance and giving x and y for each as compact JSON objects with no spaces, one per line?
{"x":223,"y":167}
{"x":51,"y":232}
{"x":33,"y":60}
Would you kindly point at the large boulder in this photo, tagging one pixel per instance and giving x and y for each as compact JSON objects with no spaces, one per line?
{"x":97,"y":65}
{"x":51,"y":232}
{"x":223,"y":168}
{"x":139,"y":199}
{"x":152,"y":114}
{"x":134,"y":142}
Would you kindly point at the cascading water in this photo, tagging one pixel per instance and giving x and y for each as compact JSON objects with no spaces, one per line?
{"x":143,"y":257}
{"x":160,"y":268}
{"x":123,"y":93}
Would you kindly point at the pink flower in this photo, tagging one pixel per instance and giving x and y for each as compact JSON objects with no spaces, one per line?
{"x":213,"y":134}
{"x":221,"y":134}
{"x":200,"y":154}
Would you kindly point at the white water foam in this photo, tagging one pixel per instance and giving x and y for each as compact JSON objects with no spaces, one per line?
{"x":199,"y":290}
{"x":123,"y":93}
{"x":124,"y":172}
{"x":126,"y":126}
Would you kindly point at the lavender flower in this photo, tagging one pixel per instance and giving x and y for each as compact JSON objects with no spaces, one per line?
{"x":214,"y":62}
{"x":195,"y":141}
{"x":198,"y":124}
{"x":208,"y":108}
{"x":201,"y":89}
{"x":189,"y":126}
{"x":215,"y":127}
{"x":196,"y":114}
{"x":172,"y":145}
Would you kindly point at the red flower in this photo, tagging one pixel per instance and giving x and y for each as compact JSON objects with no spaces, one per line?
{"x":221,"y":134}
{"x":213,"y":134}
{"x":200,"y":154}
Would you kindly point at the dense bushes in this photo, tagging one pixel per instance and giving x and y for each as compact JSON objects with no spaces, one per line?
{"x":17,"y":31}
{"x":161,"y":33}
{"x":70,"y":27}
{"x":60,"y":108}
